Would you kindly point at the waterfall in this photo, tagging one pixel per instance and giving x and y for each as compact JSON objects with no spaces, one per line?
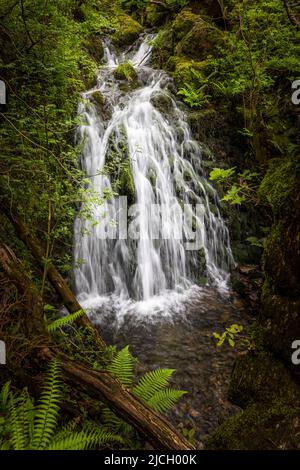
{"x":172,"y":220}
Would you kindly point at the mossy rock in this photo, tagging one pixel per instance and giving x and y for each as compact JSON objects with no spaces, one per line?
{"x":155,"y":15}
{"x":182,"y":69}
{"x":162,"y":102}
{"x":127,"y":32}
{"x":278,"y":185}
{"x":127,"y":73}
{"x":98,"y":99}
{"x":280,"y":317}
{"x":126,"y":183}
{"x":93,"y":45}
{"x":260,"y":426}
{"x":183,"y":23}
{"x":261,"y":378}
{"x":202,"y":40}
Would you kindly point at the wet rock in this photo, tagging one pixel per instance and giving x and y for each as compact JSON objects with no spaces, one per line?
{"x":162,"y":102}
{"x":125,"y":72}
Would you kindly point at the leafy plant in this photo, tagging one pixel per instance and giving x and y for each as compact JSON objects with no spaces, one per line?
{"x":194,"y":97}
{"x":228,"y":335}
{"x":220,"y":174}
{"x":27,"y":426}
{"x":63,"y":321}
{"x":152,"y":388}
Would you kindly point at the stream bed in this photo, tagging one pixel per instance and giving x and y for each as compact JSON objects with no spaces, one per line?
{"x":184,"y":342}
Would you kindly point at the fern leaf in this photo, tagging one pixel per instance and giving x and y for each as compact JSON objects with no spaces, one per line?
{"x":114,"y":423}
{"x":122,"y":367}
{"x":84,"y":440}
{"x":4,"y":396}
{"x":47,"y":410}
{"x":164,"y":400}
{"x":152,"y":382}
{"x":67,"y":320}
{"x":18,"y":423}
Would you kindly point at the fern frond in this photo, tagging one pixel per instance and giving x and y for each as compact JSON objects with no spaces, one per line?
{"x":18,"y":422}
{"x":122,"y":367}
{"x":63,"y":321}
{"x":48,"y":410}
{"x":114,"y":423}
{"x":84,"y":440}
{"x":4,"y":396}
{"x":164,"y":400}
{"x":152,"y":382}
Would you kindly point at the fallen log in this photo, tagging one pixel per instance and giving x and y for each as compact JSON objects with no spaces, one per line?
{"x":155,"y":428}
{"x":68,"y":298}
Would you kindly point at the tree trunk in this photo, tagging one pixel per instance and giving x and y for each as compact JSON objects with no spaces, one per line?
{"x":57,"y":281}
{"x":154,"y":428}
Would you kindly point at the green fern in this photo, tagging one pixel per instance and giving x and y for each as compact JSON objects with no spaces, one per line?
{"x":122,"y":367}
{"x":30,"y":427}
{"x":151,"y":388}
{"x":164,"y":400}
{"x":48,"y":410}
{"x":67,"y":320}
{"x":152,"y":382}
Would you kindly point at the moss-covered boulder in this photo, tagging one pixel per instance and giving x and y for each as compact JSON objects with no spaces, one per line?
{"x":262,"y":378}
{"x":98,"y":99}
{"x":184,"y":23}
{"x":276,"y":426}
{"x":127,"y":32}
{"x":126,"y":72}
{"x":202,"y":40}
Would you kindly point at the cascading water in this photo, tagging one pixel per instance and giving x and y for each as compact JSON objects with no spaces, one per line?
{"x":141,"y":136}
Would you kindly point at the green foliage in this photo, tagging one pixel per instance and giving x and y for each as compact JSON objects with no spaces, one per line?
{"x":228,"y":335}
{"x":194,"y":94}
{"x":278,"y":186}
{"x":27,"y":426}
{"x":239,"y":188}
{"x":126,"y":72}
{"x":220,"y":174}
{"x":189,"y":434}
{"x":152,"y":388}
{"x":63,"y":321}
{"x":195,"y":98}
{"x":254,"y":241}
{"x":122,"y":367}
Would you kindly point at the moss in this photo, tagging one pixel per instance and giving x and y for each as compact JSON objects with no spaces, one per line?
{"x":276,"y":426}
{"x":98,"y":98}
{"x":94,"y":47}
{"x":202,"y":40}
{"x":183,"y":69}
{"x":155,"y":15}
{"x":126,"y":182}
{"x":127,"y":32}
{"x":278,"y":184}
{"x":126,"y":72}
{"x":183,"y":23}
{"x":261,"y":378}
